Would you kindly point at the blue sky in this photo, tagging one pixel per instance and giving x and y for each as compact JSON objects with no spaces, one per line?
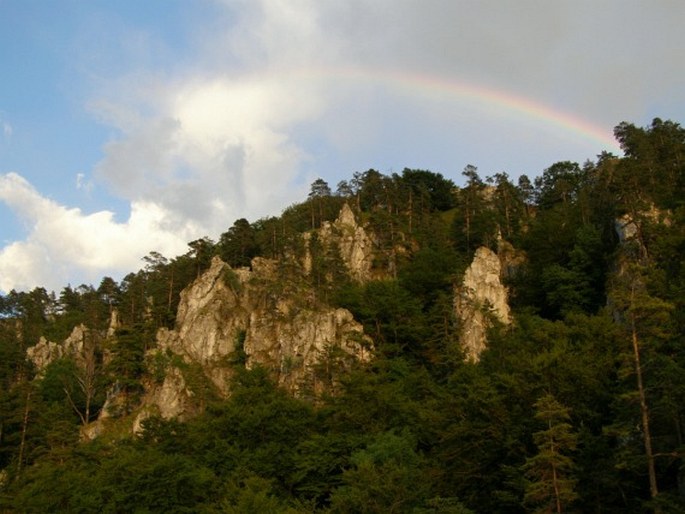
{"x":131,"y":126}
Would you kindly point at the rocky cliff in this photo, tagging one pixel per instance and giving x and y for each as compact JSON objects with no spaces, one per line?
{"x":355,"y":244}
{"x":244,"y":317}
{"x":269,"y":316}
{"x":352,"y":242}
{"x":77,"y":345}
{"x":479,"y":299}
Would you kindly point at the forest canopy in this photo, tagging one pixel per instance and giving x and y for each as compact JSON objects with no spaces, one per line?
{"x":576,"y":406}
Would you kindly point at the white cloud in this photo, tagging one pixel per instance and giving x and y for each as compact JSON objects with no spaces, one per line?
{"x":65,"y":244}
{"x":215,"y":145}
{"x":220,"y":150}
{"x":192,"y":154}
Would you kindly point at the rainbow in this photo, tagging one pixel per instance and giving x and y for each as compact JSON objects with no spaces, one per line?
{"x":517,"y":106}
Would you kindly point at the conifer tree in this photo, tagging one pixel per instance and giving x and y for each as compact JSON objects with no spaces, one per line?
{"x":551,"y":486}
{"x":647,"y":323}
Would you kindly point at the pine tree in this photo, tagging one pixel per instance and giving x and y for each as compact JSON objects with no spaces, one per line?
{"x":647,"y":323}
{"x":551,"y":486}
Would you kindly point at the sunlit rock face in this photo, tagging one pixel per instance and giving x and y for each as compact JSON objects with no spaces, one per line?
{"x":356,"y":246}
{"x":44,"y":352}
{"x":260,"y":317}
{"x":172,"y":398}
{"x":78,"y":345}
{"x":351,"y":240}
{"x":479,"y":299}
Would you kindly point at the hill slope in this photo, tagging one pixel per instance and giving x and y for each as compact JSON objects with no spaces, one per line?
{"x":320,"y":360}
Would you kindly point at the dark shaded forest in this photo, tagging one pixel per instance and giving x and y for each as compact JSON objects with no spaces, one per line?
{"x":577,"y":406}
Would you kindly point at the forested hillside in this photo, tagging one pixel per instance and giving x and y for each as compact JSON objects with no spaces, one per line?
{"x":577,"y":405}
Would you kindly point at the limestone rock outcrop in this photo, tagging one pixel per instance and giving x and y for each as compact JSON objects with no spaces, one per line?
{"x":353,"y":242}
{"x":45,"y":352}
{"x":479,"y":299}
{"x":74,"y":346}
{"x":230,"y":317}
{"x":356,"y":247}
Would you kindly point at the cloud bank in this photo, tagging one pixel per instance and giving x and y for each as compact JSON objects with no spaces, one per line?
{"x":190,"y":155}
{"x":64,"y":242}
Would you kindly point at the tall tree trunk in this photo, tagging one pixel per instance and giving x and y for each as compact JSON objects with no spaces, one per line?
{"x":507,"y":217}
{"x":555,"y":479}
{"x":171,"y":290}
{"x":644,"y":409}
{"x":557,"y":496}
{"x":468,"y":230}
{"x":24,"y":429}
{"x":411,"y":206}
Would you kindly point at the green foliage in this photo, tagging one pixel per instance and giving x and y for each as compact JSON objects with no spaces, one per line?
{"x":232,"y":280}
{"x":552,"y":417}
{"x":239,"y":356}
{"x":475,"y":222}
{"x":319,"y":188}
{"x":31,"y":310}
{"x":578,"y":285}
{"x":60,"y":378}
{"x":431,"y":191}
{"x":568,"y":262}
{"x":253,"y":494}
{"x":430,"y":271}
{"x":391,"y":315}
{"x":559,"y":184}
{"x":127,"y":479}
{"x":148,"y":480}
{"x":256,"y":432}
{"x":550,"y":485}
{"x":443,"y":506}
{"x":653,"y":169}
{"x":238,"y":246}
{"x":126,"y":364}
{"x":385,"y":477}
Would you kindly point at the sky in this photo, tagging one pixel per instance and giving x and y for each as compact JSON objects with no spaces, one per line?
{"x":133,"y":126}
